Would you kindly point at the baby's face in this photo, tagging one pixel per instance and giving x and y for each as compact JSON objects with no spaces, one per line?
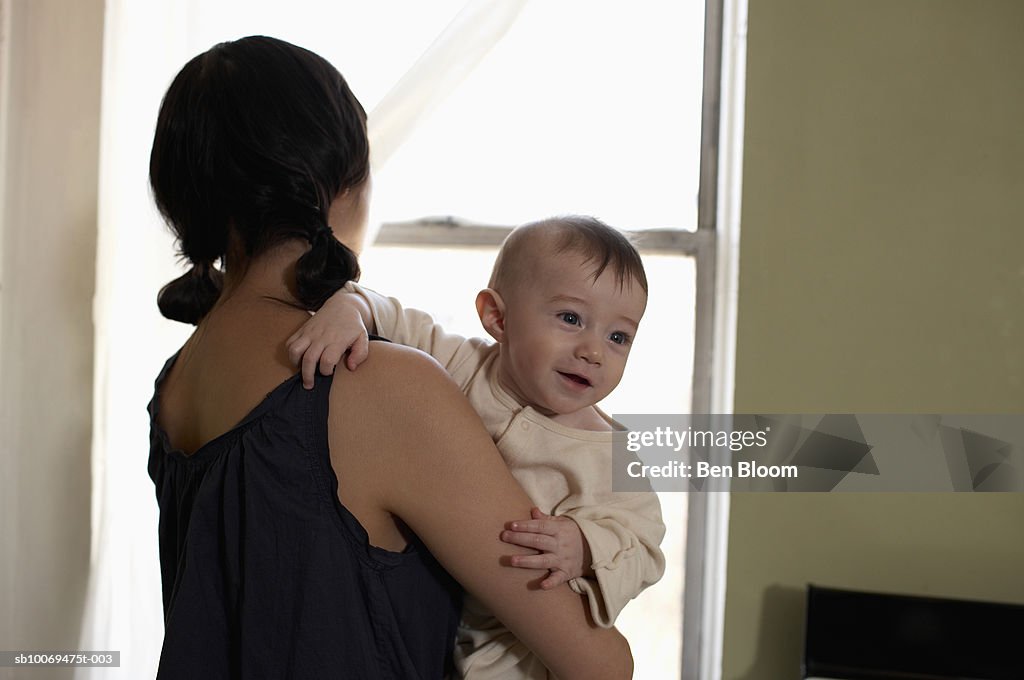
{"x":567,"y":336}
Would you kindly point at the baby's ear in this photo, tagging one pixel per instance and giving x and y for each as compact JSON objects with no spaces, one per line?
{"x":491,"y":310}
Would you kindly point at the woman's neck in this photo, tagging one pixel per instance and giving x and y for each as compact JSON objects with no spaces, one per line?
{"x":269,"y":275}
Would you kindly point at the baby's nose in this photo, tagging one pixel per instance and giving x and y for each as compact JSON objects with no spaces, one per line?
{"x":589,"y":352}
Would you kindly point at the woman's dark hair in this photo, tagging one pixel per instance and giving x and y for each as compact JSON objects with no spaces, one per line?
{"x":257,"y":136}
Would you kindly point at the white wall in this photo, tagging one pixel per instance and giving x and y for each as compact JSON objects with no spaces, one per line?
{"x":49,"y":122}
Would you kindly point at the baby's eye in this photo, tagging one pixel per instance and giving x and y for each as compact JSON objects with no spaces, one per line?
{"x":619,"y":338}
{"x":571,"y":318}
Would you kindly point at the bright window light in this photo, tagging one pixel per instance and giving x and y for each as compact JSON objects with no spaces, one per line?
{"x":581,"y":107}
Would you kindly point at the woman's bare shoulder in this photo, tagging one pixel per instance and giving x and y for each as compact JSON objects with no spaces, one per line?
{"x":391,"y":356}
{"x":392,"y":374}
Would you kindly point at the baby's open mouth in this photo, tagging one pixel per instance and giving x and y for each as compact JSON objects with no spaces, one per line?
{"x":579,"y":379}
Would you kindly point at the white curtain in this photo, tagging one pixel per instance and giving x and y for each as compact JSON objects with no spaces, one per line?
{"x":145,"y":45}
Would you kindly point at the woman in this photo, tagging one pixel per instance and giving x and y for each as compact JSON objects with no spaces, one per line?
{"x":291,"y":521}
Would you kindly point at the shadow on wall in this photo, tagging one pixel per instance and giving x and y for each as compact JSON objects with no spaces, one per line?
{"x":784,"y":608}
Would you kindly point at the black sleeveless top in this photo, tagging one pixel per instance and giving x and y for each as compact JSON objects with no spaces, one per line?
{"x":267,"y":575}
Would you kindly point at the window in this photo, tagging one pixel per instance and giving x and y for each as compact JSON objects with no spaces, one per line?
{"x":581,"y":107}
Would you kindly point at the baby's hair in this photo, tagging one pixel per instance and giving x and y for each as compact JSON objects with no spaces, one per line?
{"x":254,"y":140}
{"x":598,"y":243}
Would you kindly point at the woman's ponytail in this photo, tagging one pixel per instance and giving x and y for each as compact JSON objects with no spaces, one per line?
{"x":189,"y":297}
{"x":325,"y":268}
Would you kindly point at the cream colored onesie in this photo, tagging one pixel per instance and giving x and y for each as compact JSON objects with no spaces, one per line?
{"x":564,"y":471}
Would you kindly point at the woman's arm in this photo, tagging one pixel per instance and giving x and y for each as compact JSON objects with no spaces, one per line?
{"x":412,"y":436}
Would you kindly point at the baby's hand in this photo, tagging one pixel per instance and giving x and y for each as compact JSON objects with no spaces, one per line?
{"x":337,"y":328}
{"x":563,"y":550}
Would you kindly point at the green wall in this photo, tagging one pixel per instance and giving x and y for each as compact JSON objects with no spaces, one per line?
{"x":881,"y":270}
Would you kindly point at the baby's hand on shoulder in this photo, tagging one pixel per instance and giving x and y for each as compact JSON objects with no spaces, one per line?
{"x":564,"y":551}
{"x":338,"y":328}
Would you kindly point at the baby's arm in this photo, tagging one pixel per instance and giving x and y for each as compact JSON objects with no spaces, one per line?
{"x":624,"y":536}
{"x":609,"y":551}
{"x":343,"y":322}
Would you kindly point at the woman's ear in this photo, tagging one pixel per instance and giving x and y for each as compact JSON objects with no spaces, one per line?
{"x":491,"y":310}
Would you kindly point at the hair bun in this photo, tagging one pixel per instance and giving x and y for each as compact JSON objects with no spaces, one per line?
{"x":189,"y":297}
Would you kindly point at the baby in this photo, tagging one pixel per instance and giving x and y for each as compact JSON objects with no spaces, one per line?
{"x":563,"y":304}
